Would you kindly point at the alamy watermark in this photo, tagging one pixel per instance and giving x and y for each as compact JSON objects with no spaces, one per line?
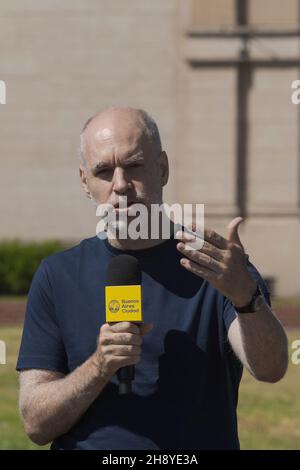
{"x":2,"y":352}
{"x":157,"y":221}
{"x":2,"y":92}
{"x":2,"y":343}
{"x":295,"y":98}
{"x":295,"y":358}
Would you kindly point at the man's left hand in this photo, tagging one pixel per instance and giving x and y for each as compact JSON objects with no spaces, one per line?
{"x":222,"y":262}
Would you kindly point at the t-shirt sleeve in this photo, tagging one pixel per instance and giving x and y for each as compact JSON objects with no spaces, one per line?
{"x":41,"y":345}
{"x":229,"y":314}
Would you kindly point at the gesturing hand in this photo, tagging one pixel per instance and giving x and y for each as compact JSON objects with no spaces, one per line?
{"x":221,"y":261}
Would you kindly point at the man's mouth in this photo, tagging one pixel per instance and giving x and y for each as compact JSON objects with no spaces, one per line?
{"x":123,"y":207}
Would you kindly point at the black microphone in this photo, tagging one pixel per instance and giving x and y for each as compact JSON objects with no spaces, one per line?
{"x":123,"y":302}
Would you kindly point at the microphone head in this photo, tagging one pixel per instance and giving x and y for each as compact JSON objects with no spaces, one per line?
{"x":123,"y":270}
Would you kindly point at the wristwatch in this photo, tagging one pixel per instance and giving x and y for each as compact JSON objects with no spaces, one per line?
{"x":255,"y":303}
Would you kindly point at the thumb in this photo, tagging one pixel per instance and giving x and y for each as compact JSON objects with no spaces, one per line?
{"x":232,"y":228}
{"x":145,"y":328}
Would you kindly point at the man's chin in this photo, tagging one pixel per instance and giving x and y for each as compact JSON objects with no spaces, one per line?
{"x":117,"y":228}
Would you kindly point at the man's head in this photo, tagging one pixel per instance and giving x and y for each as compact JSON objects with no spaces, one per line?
{"x":121,"y":155}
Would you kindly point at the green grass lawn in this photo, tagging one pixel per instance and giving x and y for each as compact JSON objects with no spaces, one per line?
{"x":269,"y":414}
{"x":12,"y":435}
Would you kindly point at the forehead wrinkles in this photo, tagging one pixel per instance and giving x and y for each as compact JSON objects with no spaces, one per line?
{"x":110,"y":153}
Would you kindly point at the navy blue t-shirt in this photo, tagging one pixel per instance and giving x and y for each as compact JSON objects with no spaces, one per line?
{"x":185,"y":390}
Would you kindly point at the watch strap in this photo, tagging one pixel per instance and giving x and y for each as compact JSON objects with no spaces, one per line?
{"x":250,"y":307}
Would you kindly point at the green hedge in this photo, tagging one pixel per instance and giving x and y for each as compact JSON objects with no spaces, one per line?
{"x":19,"y":261}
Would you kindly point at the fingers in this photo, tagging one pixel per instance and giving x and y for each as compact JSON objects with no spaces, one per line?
{"x":210,"y":236}
{"x":207,"y":248}
{"x":119,"y":344}
{"x":127,"y":330}
{"x":215,"y":239}
{"x":208,"y":256}
{"x":121,"y":350}
{"x":195,"y":268}
{"x":124,"y":326}
{"x":194,"y":240}
{"x":232,"y":229}
{"x":122,"y":339}
{"x":200,"y":258}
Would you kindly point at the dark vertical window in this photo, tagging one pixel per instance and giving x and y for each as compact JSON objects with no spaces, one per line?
{"x":241,"y":9}
{"x":243,"y":86}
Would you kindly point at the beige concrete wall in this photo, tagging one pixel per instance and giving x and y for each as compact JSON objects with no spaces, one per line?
{"x":273,"y":229}
{"x":274,"y":13}
{"x":212,"y":14}
{"x":207,"y":130}
{"x":207,"y":98}
{"x":273,"y":143}
{"x":270,"y":14}
{"x":62,"y":61}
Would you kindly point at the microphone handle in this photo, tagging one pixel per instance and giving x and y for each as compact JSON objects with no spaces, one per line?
{"x":126,"y":376}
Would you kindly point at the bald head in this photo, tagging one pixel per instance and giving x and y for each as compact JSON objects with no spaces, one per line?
{"x":121,"y":123}
{"x":121,"y":156}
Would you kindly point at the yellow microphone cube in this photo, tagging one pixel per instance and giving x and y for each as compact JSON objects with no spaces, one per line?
{"x":123,"y":303}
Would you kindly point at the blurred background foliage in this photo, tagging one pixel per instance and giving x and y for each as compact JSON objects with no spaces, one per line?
{"x":19,"y":261}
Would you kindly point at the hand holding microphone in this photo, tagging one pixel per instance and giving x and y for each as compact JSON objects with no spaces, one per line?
{"x":120,"y":340}
{"x":119,"y":345}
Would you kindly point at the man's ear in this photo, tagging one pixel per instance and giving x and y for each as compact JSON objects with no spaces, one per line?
{"x":164,"y":167}
{"x":83,"y":179}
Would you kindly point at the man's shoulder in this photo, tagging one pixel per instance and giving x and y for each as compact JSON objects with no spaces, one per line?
{"x":70,"y":255}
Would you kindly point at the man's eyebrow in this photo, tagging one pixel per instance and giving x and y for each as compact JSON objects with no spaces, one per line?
{"x":136,"y":158}
{"x":99,"y":166}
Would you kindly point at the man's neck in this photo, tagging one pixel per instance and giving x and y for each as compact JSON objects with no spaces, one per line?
{"x":140,"y":243}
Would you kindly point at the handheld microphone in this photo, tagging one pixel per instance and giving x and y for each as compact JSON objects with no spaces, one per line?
{"x":123,"y":302}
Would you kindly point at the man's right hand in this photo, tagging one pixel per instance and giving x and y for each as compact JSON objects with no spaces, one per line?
{"x":119,"y":345}
{"x":45,"y":395}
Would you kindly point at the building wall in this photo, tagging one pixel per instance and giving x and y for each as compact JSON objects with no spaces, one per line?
{"x":274,"y":14}
{"x":208,"y":116}
{"x":64,"y":60}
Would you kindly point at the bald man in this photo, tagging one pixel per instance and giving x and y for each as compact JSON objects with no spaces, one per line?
{"x":207,"y":314}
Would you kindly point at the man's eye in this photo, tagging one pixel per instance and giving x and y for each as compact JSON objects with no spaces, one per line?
{"x":135,"y":165}
{"x":105,"y":171}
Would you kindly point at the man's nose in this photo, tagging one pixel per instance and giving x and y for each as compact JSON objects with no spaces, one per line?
{"x":120,"y":182}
